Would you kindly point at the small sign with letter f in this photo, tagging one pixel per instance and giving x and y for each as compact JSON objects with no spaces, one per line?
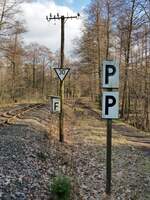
{"x":55,"y":104}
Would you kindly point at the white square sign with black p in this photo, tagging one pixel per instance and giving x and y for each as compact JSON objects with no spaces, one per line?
{"x":110,"y":74}
{"x":110,"y":107}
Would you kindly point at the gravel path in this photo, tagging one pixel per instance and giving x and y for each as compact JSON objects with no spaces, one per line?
{"x":23,"y":174}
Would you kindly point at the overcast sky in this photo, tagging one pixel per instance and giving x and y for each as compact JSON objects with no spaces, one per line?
{"x":48,"y":33}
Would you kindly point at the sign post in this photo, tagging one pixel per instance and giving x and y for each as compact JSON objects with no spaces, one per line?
{"x":110,"y":109}
{"x":61,"y":73}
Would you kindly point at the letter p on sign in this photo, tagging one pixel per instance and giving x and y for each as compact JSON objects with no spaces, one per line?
{"x":110,"y":105}
{"x":110,"y":74}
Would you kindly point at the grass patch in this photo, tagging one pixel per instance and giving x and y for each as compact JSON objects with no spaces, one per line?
{"x":147,"y":166}
{"x":118,"y":121}
{"x":61,"y":188}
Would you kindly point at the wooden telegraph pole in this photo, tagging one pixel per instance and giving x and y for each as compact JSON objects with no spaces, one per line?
{"x":61,"y":89}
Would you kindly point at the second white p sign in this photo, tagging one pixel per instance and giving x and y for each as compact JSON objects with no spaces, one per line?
{"x":110,"y":107}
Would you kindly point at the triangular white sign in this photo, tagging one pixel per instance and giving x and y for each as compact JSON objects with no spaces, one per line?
{"x":61,"y":72}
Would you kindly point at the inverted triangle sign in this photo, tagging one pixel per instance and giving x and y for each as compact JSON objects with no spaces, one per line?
{"x":61,"y":72}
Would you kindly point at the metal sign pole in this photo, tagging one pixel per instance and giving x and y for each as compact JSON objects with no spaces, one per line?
{"x":108,"y":156}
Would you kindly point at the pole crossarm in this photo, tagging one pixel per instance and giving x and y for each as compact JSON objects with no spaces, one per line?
{"x":55,"y":17}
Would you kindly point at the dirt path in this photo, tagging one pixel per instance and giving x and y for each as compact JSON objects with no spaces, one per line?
{"x":139,"y":139}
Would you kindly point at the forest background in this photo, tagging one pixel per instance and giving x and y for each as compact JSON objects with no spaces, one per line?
{"x":112,"y":29}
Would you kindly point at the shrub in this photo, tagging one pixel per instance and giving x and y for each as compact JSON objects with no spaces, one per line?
{"x":61,"y":188}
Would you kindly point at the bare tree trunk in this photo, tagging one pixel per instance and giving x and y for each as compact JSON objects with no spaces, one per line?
{"x":135,"y":112}
{"x":51,"y":81}
{"x":13,"y":81}
{"x":99,"y":51}
{"x":14,"y":68}
{"x":2,"y":14}
{"x":127,"y":58}
{"x":108,"y":29}
{"x":146,"y":88}
{"x":43,"y":76}
{"x":69,"y":86}
{"x":33,"y":75}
